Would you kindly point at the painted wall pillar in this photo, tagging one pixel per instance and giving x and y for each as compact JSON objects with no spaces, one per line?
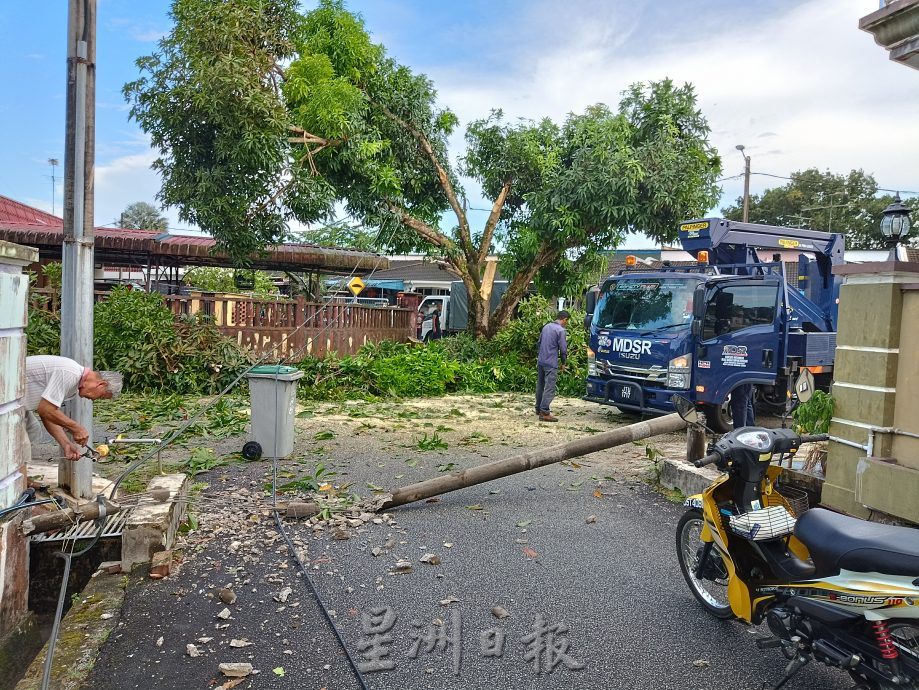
{"x":873,"y":462}
{"x":14,"y":549}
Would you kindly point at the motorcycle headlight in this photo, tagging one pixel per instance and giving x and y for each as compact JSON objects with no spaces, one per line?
{"x":679,"y":370}
{"x":757,"y":440}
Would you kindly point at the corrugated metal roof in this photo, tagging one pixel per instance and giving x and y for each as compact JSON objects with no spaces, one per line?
{"x":29,"y":226}
{"x":12,"y":211}
{"x":418,"y":270}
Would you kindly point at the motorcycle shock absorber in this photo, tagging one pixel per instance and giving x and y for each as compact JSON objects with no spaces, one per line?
{"x":885,"y":641}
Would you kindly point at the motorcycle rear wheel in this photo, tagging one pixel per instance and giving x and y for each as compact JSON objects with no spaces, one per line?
{"x":712,"y":592}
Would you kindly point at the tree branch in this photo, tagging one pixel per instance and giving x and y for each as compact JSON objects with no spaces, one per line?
{"x":492,"y":221}
{"x":464,"y":234}
{"x":434,"y":236}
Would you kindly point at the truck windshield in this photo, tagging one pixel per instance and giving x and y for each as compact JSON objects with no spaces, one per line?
{"x":646,"y":304}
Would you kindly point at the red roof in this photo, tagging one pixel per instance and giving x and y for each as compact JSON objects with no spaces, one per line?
{"x":30,"y":226}
{"x":12,"y":211}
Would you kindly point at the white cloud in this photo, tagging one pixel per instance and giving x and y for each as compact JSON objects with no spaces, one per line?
{"x":123,"y":181}
{"x":144,"y":31}
{"x":800,"y":88}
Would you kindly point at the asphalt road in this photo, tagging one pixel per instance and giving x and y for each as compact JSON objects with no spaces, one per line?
{"x":610,"y":592}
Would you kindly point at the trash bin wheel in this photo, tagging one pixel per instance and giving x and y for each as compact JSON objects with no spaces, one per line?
{"x":252,"y":450}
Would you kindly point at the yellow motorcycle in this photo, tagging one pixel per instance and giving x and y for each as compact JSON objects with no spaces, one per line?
{"x":831,"y":588}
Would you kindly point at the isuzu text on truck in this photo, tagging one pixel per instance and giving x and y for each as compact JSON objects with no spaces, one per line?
{"x":729,"y":320}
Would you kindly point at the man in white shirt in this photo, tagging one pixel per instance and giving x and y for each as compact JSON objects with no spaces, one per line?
{"x":50,"y":381}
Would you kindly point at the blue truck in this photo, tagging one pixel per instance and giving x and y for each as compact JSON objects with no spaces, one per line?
{"x":733,"y":318}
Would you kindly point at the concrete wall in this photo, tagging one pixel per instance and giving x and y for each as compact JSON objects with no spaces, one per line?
{"x":14,"y":554}
{"x":876,"y":388}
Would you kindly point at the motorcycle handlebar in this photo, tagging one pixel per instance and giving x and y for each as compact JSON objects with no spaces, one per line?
{"x":707,"y":460}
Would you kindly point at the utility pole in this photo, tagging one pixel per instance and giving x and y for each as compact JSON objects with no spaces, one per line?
{"x":77,"y":251}
{"x":746,"y":183}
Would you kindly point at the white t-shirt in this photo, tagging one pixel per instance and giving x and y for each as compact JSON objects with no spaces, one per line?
{"x":55,"y":379}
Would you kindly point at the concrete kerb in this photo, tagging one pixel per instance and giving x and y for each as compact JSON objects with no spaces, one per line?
{"x":689,"y":480}
{"x":83,"y":632}
{"x":153,"y":525}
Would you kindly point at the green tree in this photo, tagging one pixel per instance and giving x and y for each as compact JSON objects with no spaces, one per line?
{"x":143,"y":216}
{"x":342,"y":235}
{"x":262,"y":115}
{"x":822,"y":201}
{"x":212,"y":279}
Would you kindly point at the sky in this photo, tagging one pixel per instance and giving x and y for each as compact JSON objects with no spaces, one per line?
{"x":795,"y":81}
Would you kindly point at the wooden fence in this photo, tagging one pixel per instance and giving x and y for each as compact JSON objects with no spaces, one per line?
{"x":291,"y":328}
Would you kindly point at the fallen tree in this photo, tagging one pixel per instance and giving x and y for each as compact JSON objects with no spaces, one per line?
{"x":533,"y":459}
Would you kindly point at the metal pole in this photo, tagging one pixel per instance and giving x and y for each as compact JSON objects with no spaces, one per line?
{"x":746,"y":188}
{"x":77,"y":250}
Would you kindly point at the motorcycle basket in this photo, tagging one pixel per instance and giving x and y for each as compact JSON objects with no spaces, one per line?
{"x":760,"y":525}
{"x":796,"y":500}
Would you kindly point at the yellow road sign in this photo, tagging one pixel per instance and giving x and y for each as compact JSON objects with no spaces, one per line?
{"x":355,"y":285}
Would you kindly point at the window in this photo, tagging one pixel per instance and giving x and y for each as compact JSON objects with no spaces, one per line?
{"x":646,"y":303}
{"x":733,"y":307}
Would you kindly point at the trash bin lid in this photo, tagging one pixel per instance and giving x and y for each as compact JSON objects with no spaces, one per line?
{"x":274,"y":371}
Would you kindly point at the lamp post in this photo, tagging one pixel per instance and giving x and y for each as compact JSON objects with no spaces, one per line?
{"x":746,"y":183}
{"x":895,"y":224}
{"x":53,"y":162}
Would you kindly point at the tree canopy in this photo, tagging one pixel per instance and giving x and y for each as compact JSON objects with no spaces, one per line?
{"x":822,"y":201}
{"x":263,"y":116}
{"x":213,"y":279}
{"x":143,"y":216}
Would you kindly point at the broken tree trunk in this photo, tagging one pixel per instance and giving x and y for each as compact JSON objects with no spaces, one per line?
{"x":64,"y":518}
{"x":533,"y":459}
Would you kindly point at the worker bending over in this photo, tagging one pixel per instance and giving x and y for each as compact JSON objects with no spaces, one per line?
{"x":50,"y":381}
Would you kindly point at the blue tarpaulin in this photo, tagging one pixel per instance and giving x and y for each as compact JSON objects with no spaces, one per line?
{"x":371,"y":283}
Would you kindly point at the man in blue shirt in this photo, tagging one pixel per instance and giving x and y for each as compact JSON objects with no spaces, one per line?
{"x":553,"y":348}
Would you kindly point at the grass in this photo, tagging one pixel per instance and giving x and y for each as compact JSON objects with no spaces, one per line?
{"x":435,"y":442}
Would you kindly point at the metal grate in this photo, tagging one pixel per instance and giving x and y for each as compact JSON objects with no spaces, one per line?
{"x":114,"y":525}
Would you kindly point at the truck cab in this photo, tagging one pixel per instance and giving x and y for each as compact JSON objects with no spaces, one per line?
{"x":439,"y":304}
{"x":703,"y":330}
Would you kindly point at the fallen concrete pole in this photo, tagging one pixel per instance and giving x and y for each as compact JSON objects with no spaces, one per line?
{"x":533,"y":459}
{"x":64,"y":518}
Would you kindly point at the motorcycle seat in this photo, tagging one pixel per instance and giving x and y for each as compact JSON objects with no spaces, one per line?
{"x":838,"y":542}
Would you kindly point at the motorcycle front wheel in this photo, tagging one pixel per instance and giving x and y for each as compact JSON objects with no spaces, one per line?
{"x":711,"y":589}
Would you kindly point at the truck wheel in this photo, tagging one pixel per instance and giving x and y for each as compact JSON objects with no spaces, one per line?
{"x":770,"y":399}
{"x":718,"y":418}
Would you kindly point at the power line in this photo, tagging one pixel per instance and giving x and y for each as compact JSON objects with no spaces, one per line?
{"x":880,"y":189}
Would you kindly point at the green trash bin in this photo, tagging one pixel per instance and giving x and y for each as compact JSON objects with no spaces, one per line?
{"x":273,"y":397}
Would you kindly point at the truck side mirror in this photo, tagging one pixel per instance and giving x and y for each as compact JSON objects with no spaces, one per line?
{"x":698,"y":303}
{"x":698,"y":310}
{"x":590,"y":301}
